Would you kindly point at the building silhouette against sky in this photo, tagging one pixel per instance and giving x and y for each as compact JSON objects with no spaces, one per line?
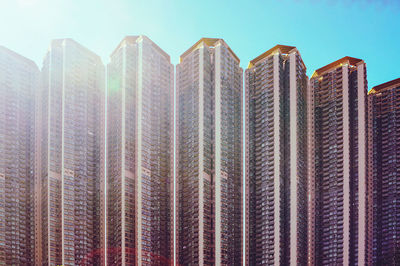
{"x":321,"y":180}
{"x":276,"y":98}
{"x":209,"y":155}
{"x":67,"y":191}
{"x":19,"y":79}
{"x":140,"y":154}
{"x":340,"y":172}
{"x":385,"y":148}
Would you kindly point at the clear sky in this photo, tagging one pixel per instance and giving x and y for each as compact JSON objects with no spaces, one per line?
{"x":322,"y":30}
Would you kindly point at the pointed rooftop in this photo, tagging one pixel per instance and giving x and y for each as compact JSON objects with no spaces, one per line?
{"x":343,"y":61}
{"x":279,"y":48}
{"x":385,"y":86}
{"x":211,"y":42}
{"x":136,"y":38}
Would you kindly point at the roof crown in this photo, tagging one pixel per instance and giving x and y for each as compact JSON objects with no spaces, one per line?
{"x":345,"y":60}
{"x":283,"y":49}
{"x":385,"y":86}
{"x":136,"y":38}
{"x":209,"y":42}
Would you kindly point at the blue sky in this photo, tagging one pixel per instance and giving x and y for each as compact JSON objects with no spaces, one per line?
{"x":323,"y":31}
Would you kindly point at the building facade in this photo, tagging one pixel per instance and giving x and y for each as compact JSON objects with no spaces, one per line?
{"x":19,"y":79}
{"x":340,"y":171}
{"x":384,"y":144}
{"x":209,"y":155}
{"x":276,"y":102}
{"x":140,"y":154}
{"x":69,"y":156}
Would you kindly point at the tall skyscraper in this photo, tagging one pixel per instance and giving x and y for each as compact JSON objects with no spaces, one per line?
{"x":209,"y":155}
{"x":70,"y":155}
{"x":140,"y":154}
{"x":276,"y":102}
{"x":340,"y":172}
{"x":384,"y":145}
{"x":19,"y":79}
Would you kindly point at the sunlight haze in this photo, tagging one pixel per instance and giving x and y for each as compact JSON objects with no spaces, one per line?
{"x":321,"y":30}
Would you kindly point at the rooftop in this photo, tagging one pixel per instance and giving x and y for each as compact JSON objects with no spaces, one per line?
{"x":127,"y":39}
{"x":283,"y":49}
{"x":18,"y":56}
{"x":134,"y":39}
{"x":208,"y":42}
{"x":64,"y":41}
{"x":345,"y":60}
{"x":385,"y":86}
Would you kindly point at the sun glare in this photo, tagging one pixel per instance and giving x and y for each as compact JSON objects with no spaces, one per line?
{"x":27,"y":3}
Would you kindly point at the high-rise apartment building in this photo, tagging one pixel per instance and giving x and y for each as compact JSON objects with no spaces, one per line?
{"x":340,"y":171}
{"x":276,"y":163}
{"x":70,"y":154}
{"x":384,"y":145}
{"x":140,"y":154}
{"x":209,"y":155}
{"x":19,"y":79}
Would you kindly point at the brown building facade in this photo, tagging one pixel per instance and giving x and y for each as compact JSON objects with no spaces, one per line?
{"x":384,"y":145}
{"x":209,"y":155}
{"x":140,"y":130}
{"x":69,"y":156}
{"x":276,"y":158}
{"x":19,"y":79}
{"x":340,"y":179}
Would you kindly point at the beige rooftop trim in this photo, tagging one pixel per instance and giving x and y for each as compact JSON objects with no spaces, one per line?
{"x":60,"y":42}
{"x":134,"y":39}
{"x":127,"y":39}
{"x":208,"y":42}
{"x":345,"y":60}
{"x":283,"y":49}
{"x":385,"y":86}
